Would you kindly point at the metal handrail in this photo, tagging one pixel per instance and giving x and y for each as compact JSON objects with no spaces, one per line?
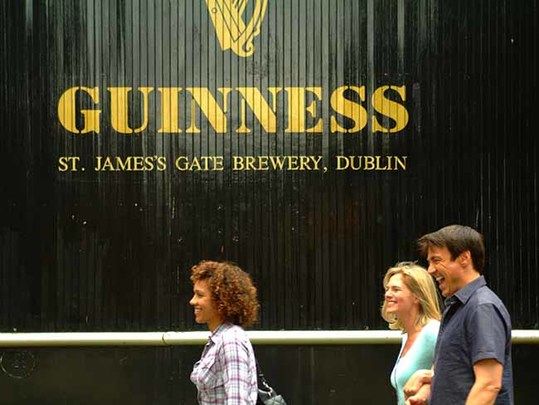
{"x":281,"y":337}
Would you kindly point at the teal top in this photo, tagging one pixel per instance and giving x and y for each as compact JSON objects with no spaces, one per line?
{"x":419,"y":356}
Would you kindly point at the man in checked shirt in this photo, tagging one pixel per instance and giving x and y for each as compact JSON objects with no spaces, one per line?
{"x":225,"y":300}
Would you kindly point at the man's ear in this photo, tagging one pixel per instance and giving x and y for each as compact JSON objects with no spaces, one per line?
{"x":465,"y":258}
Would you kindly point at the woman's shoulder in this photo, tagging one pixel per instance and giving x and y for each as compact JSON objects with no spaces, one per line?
{"x":234,"y":332}
{"x":432,"y":324}
{"x":234,"y":340}
{"x":431,"y":328}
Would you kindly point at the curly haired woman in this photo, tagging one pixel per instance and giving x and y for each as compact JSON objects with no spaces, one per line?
{"x":225,"y":300}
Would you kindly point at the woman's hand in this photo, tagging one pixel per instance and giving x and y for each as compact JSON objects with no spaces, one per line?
{"x":414,"y":384}
{"x":421,"y":397}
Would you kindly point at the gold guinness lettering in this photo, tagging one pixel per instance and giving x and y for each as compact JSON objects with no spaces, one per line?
{"x":349,"y":109}
{"x":390,"y":109}
{"x":68,"y":116}
{"x":119,"y":113}
{"x":302,"y":104}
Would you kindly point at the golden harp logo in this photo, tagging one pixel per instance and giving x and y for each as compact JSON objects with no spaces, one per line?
{"x":232,"y":31}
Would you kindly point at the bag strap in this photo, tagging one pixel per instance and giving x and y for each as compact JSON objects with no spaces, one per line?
{"x":261,"y":377}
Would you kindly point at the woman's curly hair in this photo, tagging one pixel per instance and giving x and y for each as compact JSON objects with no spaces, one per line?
{"x":232,"y":291}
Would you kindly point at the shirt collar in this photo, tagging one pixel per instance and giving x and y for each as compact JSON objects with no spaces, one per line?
{"x":464,"y":294}
{"x":217,"y":334}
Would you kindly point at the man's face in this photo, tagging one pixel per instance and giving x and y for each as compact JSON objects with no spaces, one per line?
{"x":448,"y":273}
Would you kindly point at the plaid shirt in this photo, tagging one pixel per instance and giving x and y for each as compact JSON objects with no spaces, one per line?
{"x":226,"y":372}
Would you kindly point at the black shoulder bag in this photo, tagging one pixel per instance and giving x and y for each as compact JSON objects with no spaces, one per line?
{"x":266,"y":394}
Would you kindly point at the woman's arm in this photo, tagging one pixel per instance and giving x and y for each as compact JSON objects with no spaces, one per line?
{"x":237,"y":373}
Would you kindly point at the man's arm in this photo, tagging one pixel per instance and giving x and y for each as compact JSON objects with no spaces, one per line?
{"x":488,"y":382}
{"x":488,"y":335}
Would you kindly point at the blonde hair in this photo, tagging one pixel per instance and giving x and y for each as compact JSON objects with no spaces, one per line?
{"x":421,"y":285}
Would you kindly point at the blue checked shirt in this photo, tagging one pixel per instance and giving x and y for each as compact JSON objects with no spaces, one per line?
{"x":226,"y":372}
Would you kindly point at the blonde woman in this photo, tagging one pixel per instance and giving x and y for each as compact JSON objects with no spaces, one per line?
{"x":411,"y":305}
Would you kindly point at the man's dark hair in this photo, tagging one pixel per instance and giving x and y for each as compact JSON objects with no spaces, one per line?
{"x":457,"y":239}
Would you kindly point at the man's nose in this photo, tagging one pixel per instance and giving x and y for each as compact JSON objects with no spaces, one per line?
{"x":430,"y":269}
{"x":192,"y":302}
